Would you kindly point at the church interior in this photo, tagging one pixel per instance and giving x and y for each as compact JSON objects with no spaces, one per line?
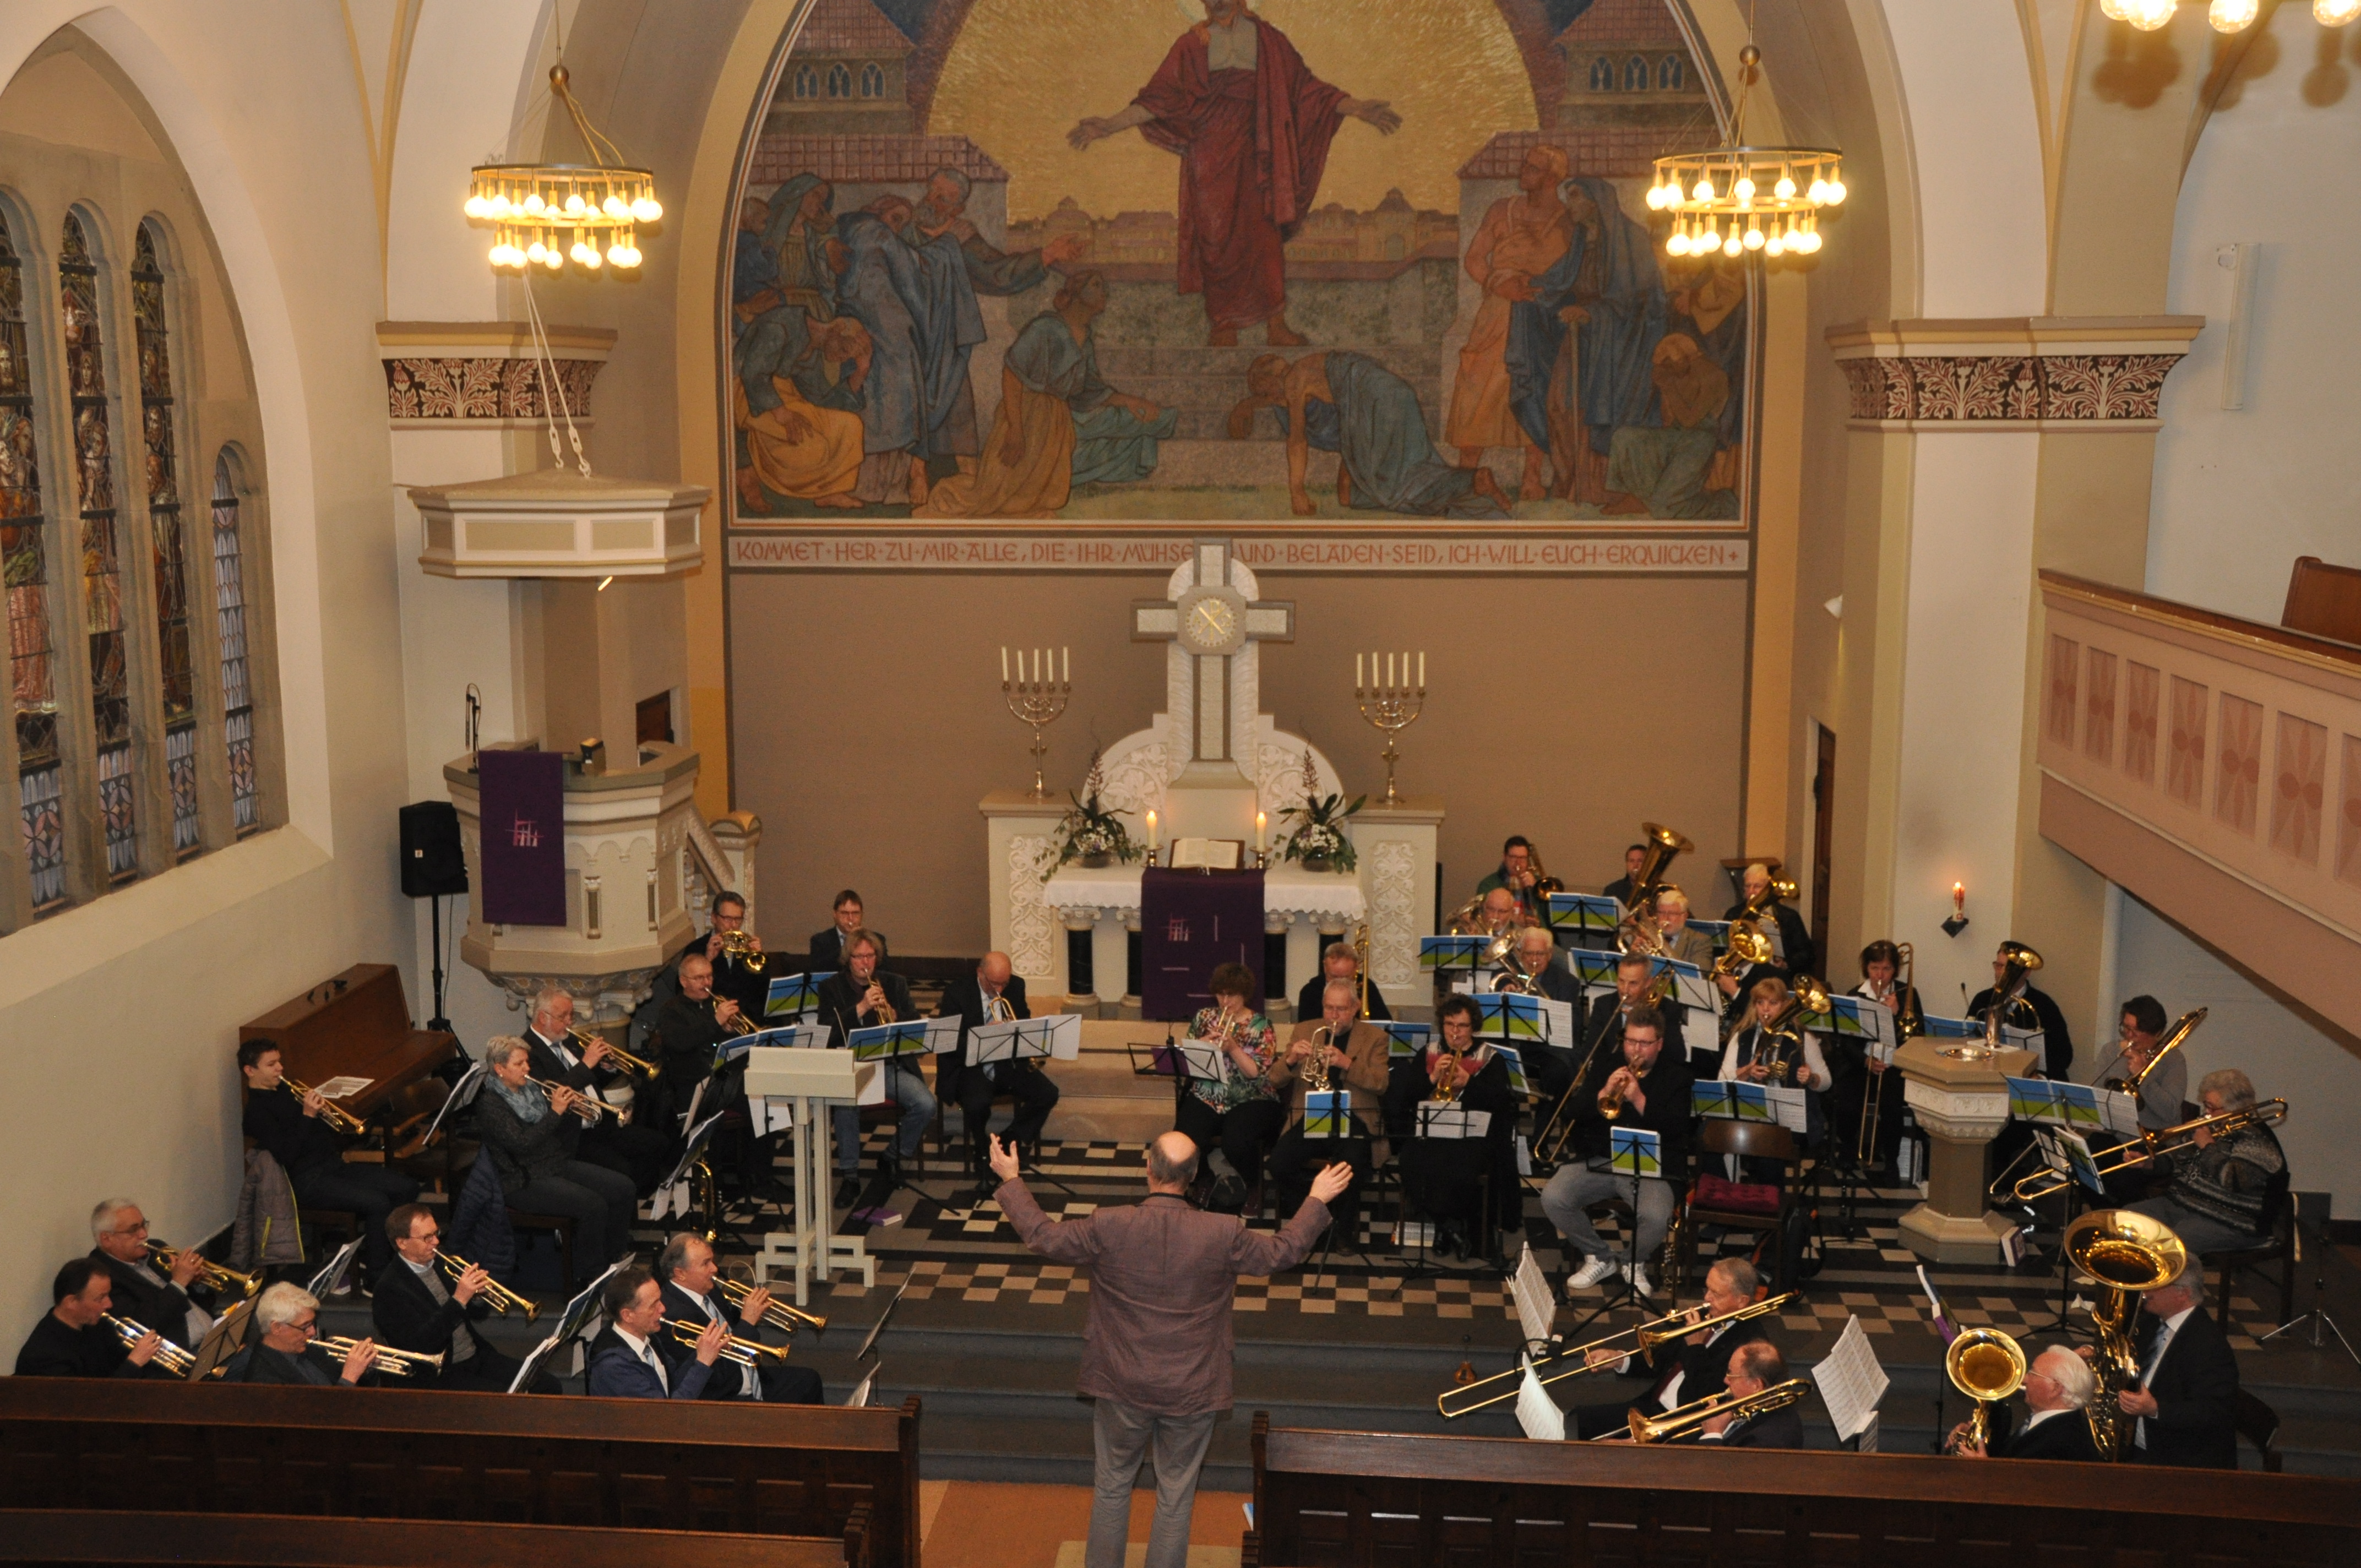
{"x":1279,"y":584}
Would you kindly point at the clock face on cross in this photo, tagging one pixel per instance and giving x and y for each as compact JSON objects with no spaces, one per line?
{"x":1212,"y":620}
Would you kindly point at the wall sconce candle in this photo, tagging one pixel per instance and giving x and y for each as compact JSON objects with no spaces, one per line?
{"x":1958,"y":920}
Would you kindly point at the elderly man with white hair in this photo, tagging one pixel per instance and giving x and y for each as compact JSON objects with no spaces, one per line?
{"x":1796,"y":949}
{"x":147,"y":1293}
{"x":2223,"y":1190}
{"x":640,"y":1150}
{"x":2059,"y":1388}
{"x":286,"y":1317}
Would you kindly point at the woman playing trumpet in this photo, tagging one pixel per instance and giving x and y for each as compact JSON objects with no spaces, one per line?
{"x":531,"y":1133}
{"x":863,"y":995}
{"x":1237,"y":1113}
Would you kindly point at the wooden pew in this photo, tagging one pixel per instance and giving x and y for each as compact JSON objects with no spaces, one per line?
{"x":635,"y":1464}
{"x":1361,"y":1498}
{"x":64,"y":1536}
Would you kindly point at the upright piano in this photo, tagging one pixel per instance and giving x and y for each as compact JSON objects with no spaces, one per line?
{"x":354,"y":1024}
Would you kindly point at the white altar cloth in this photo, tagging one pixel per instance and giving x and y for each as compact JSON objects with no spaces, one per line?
{"x":1323,"y":900}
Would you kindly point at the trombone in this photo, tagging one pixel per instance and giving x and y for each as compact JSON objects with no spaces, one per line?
{"x":180,"y":1363}
{"x":213,"y":1275}
{"x":735,"y":1351}
{"x":779,"y":1315}
{"x":584,"y":1040}
{"x":501,"y":1297}
{"x":1909,"y":1019}
{"x":2156,"y":1144}
{"x":335,"y":1115}
{"x":588,"y":1107}
{"x":398,"y":1363}
{"x":2174,"y":1038}
{"x":1502,"y":1387}
{"x":1689,"y":1420}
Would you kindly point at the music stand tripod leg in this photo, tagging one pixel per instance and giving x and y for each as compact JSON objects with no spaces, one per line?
{"x":2317,"y":1317}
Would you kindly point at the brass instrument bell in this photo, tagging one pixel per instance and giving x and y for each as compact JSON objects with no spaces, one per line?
{"x":1988,"y":1366}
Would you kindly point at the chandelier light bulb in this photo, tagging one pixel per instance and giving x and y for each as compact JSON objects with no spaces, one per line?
{"x":2114,"y":10}
{"x":1703,"y":190}
{"x":500,"y":207}
{"x":614,"y":206}
{"x":534,"y":251}
{"x":2229,"y":16}
{"x":1836,"y":192}
{"x":1754,"y":239}
{"x":534,"y":206}
{"x":1776,"y":245}
{"x":574,"y":208}
{"x":2335,"y":13}
{"x":1677,"y":245}
{"x":646,"y":209}
{"x":1786,"y":188}
{"x":553,"y":258}
{"x":1743,"y":190}
{"x":1731,"y":247}
{"x":2149,"y":16}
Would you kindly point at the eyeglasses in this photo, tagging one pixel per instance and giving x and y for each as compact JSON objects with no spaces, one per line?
{"x":138,"y":1229}
{"x":306,"y":1327}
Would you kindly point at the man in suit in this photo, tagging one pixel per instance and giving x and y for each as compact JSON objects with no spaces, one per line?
{"x":640,"y":1151}
{"x":995,"y":995}
{"x":828,"y":946}
{"x":1339,"y":962}
{"x":733,"y":976}
{"x":1622,"y":887}
{"x":2184,"y":1409}
{"x":74,"y":1340}
{"x":285,"y":1318}
{"x":1550,"y":1066}
{"x":1796,"y":949}
{"x":2058,"y":1387}
{"x":623,"y":1360}
{"x":1157,"y":1349}
{"x":1754,"y":1366}
{"x":687,"y":1272}
{"x":1681,"y":941}
{"x":1687,"y":1368}
{"x":415,"y":1309}
{"x":2034,"y":1009}
{"x":860,"y":996}
{"x":159,"y":1300}
{"x":1359,"y":1062}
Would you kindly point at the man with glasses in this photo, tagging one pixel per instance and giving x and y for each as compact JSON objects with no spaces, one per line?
{"x":828,"y":946}
{"x":286,"y":1317}
{"x":2058,"y":1392}
{"x":417,"y":1310}
{"x":159,"y":1300}
{"x":733,"y":977}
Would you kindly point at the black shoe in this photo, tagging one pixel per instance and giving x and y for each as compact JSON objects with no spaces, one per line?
{"x":848,"y":1190}
{"x":889,"y":1169}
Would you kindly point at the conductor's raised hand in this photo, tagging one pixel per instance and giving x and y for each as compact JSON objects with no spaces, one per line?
{"x":1003,"y":1156}
{"x":1334,"y":1178}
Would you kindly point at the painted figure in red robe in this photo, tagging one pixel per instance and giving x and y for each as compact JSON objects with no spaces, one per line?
{"x":1252,"y":126}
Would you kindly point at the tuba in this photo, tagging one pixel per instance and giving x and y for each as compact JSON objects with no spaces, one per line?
{"x":1986,"y":1365}
{"x":2128,"y":1255}
{"x":2017,"y":965}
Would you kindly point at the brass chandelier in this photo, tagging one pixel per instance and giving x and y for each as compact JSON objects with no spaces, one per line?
{"x":544,"y":215}
{"x":1735,"y":198}
{"x":2227,"y":16}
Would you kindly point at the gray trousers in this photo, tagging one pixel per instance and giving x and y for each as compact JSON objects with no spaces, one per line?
{"x":1123,"y":1434}
{"x":1575,"y":1188}
{"x":2200,"y":1233}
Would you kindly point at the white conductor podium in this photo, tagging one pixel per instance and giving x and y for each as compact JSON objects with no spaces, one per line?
{"x":805,"y":1084}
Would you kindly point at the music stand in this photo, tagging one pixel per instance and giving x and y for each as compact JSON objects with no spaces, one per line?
{"x":224,"y":1339}
{"x":1636,"y":1152}
{"x":1451,"y":1121}
{"x":2063,"y":1150}
{"x":577,"y":1316}
{"x":813,"y":1082}
{"x":323,"y":1284}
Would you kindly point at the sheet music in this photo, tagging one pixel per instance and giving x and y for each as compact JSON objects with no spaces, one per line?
{"x":1536,"y":1302}
{"x":463,"y":1094}
{"x":1450,"y":1119}
{"x":1207,"y":1061}
{"x":1329,"y":1115}
{"x":1692,"y":990}
{"x":859,"y":1398}
{"x":1536,"y":1412}
{"x":882,"y":1041}
{"x":1065,"y":1035}
{"x":343,"y":1088}
{"x":1850,"y":1381}
{"x":1635,"y":1151}
{"x":1558,"y":1026}
{"x":942,"y":1035}
{"x":790,"y":1036}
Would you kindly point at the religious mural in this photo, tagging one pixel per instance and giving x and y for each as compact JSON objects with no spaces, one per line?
{"x":1198,"y":259}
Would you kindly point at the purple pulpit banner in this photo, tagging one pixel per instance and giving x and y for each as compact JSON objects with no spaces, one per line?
{"x":1190,"y":921}
{"x":523,"y":852}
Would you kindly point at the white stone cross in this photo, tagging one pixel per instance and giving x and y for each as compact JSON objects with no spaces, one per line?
{"x":1213,"y":624}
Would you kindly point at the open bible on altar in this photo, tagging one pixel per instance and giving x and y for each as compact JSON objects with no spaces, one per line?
{"x":1207,"y":854}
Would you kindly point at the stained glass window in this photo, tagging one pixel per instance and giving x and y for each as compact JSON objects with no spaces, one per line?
{"x":158,"y":436}
{"x":102,"y":550}
{"x":229,"y":619}
{"x":25,"y":569}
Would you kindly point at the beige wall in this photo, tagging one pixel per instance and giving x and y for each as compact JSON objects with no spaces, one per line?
{"x":864,"y":752}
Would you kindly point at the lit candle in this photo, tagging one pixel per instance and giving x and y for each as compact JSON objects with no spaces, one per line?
{"x":1356,"y":674}
{"x":1066,"y":665}
{"x":1151,"y":834}
{"x":1422,"y":669}
{"x":1262,"y":825}
{"x":1004,"y":663}
{"x":1959,"y":899}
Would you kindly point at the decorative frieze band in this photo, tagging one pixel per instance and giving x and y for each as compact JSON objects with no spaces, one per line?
{"x":479,"y":374}
{"x":2036,"y":373}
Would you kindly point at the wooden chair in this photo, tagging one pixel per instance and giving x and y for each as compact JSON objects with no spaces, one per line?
{"x":2323,"y":600}
{"x":2278,"y":1224}
{"x":559,"y":1225}
{"x":2260,"y":1424}
{"x":1749,"y":1140}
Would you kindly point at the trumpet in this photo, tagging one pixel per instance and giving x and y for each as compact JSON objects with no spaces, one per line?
{"x":886,"y":1014}
{"x":335,"y":1115}
{"x":779,"y":1315}
{"x":1689,"y":1420}
{"x":740,"y":945}
{"x":585,"y":1106}
{"x":584,"y":1040}
{"x":398,"y":1363}
{"x":1611,"y":1101}
{"x":213,"y":1275}
{"x":737,"y":1352}
{"x":501,"y":1297}
{"x":1502,"y":1387}
{"x":2153,"y":1145}
{"x":169,"y":1356}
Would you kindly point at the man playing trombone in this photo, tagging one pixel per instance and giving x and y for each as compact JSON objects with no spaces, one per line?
{"x":1754,"y":1366}
{"x":418,"y":1308}
{"x":1686,"y":1369}
{"x":638,"y":1149}
{"x":158,"y":1297}
{"x":686,"y":1273}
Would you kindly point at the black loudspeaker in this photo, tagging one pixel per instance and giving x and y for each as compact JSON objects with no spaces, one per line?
{"x":433,"y":864}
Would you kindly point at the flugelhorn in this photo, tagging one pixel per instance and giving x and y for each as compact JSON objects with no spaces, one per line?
{"x":735,"y":1351}
{"x":1574,"y":1361}
{"x":2156,"y":1144}
{"x":215,"y":1276}
{"x":335,"y":1115}
{"x":1986,"y":1365}
{"x":1689,"y":1420}
{"x":398,"y":1363}
{"x":779,"y":1315}
{"x":1315,"y":1072}
{"x":740,"y":945}
{"x":584,"y":1040}
{"x":588,"y":1107}
{"x":501,"y":1297}
{"x":180,"y":1363}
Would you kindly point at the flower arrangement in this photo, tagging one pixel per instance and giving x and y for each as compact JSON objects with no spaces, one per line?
{"x":1319,"y":838}
{"x":1092,"y":833}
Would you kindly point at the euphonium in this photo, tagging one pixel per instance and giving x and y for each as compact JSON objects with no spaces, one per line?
{"x":1747,"y":946}
{"x":1986,"y":1365}
{"x":213,"y":1275}
{"x":168,"y":1357}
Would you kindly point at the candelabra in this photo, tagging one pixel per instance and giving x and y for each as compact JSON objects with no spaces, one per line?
{"x":1389,"y":705}
{"x":1037,"y":696}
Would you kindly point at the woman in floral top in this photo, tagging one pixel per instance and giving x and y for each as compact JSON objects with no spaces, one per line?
{"x":1240,"y":1113}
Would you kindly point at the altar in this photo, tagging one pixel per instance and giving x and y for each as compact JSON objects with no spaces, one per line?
{"x":1206,"y":766}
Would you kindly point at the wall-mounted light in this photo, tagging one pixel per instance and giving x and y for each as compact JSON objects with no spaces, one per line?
{"x":1958,"y":920}
{"x":602,"y":583}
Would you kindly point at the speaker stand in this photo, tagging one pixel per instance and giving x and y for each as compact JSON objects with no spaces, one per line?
{"x":438,"y":1022}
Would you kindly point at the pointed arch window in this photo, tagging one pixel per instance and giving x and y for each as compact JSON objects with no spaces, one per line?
{"x":1671,"y":74}
{"x":873,"y":81}
{"x":25,"y":571}
{"x":230,"y":626}
{"x":102,"y":549}
{"x":807,"y":81}
{"x":159,"y":435}
{"x":840,"y":82}
{"x":1635,"y":74}
{"x":1602,"y":75}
